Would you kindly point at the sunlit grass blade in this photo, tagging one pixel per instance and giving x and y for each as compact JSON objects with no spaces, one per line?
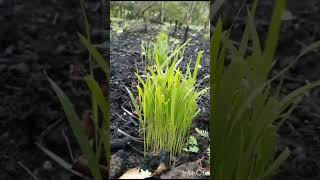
{"x":195,"y":72}
{"x":134,"y":102}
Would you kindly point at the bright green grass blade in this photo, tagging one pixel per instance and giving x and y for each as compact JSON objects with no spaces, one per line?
{"x":133,"y":100}
{"x":77,"y":130}
{"x":195,"y":72}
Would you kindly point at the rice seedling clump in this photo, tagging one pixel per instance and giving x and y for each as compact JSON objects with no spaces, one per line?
{"x":166,"y":105}
{"x":159,"y":50}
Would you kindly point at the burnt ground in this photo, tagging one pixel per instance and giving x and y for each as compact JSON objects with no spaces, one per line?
{"x":37,"y":35}
{"x":125,"y":52}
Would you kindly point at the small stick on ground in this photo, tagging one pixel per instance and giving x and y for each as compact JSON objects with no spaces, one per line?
{"x":27,"y":170}
{"x":133,"y":121}
{"x":127,"y":110}
{"x":69,"y":146}
{"x":136,"y":149}
{"x":60,"y":161}
{"x":129,"y":136}
{"x":49,"y":128}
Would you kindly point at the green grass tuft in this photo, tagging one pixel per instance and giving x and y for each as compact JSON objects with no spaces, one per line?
{"x":246,"y":115}
{"x":168,"y":105}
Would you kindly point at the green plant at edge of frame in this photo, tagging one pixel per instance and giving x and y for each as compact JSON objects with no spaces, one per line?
{"x":103,"y":105}
{"x":167,"y":106}
{"x":245,"y":116}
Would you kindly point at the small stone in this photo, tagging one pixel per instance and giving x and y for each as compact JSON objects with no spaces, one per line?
{"x":2,"y":68}
{"x":287,"y":16}
{"x":116,"y":166}
{"x":60,"y":49}
{"x":22,"y":68}
{"x":9,"y":50}
{"x":47,"y":165}
{"x":4,"y":136}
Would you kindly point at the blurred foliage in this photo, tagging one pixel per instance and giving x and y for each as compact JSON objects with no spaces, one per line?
{"x":186,"y":12}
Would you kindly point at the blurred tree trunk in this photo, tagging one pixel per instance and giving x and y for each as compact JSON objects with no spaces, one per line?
{"x":175,"y":28}
{"x":121,"y":14}
{"x":144,"y":11}
{"x":161,"y":14}
{"x":186,"y":34}
{"x":189,"y":11}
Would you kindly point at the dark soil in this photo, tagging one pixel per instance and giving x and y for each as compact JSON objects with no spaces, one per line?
{"x":38,"y":36}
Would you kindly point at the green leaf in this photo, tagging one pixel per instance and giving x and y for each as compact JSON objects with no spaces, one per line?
{"x":133,"y":100}
{"x":202,"y":133}
{"x":104,"y":105}
{"x":276,"y":164}
{"x":194,"y":149}
{"x":77,"y":130}
{"x":273,"y":32}
{"x":195,"y":72}
{"x":193,"y":140}
{"x":96,"y":55}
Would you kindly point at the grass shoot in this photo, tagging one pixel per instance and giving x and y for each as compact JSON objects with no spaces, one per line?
{"x":167,"y":106}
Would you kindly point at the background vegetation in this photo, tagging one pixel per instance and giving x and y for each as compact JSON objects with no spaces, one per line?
{"x":185,"y":12}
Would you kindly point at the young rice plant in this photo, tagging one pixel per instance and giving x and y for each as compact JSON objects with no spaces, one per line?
{"x":158,"y":52}
{"x":167,"y":105}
